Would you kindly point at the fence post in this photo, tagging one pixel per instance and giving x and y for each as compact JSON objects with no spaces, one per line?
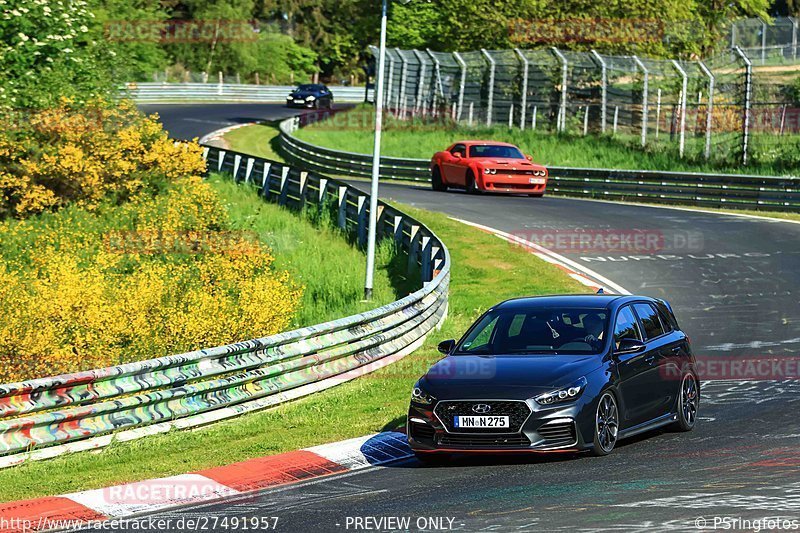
{"x":794,"y":37}
{"x":748,"y":87}
{"x":616,"y":116}
{"x":644,"y":98}
{"x":710,"y":110}
{"x":524,"y":104}
{"x":562,"y":112}
{"x":763,"y":41}
{"x":461,"y":84}
{"x":438,"y":74}
{"x":658,"y":111}
{"x":469,"y":120}
{"x":585,"y":120}
{"x":219,"y":82}
{"x":682,"y":137}
{"x":401,"y":95}
{"x":490,"y":102}
{"x":533,"y":118}
{"x":420,"y":80}
{"x":388,"y":94}
{"x":603,"y":89}
{"x":511,"y":116}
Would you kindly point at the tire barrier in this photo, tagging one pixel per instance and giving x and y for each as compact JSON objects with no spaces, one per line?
{"x":769,"y":193}
{"x":63,"y":412}
{"x":205,"y":92}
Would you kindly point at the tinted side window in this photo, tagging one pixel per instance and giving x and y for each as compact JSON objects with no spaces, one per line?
{"x":650,"y":320}
{"x":460,"y":148}
{"x":626,"y":327}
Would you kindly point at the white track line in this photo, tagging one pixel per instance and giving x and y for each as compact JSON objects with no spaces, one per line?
{"x":551,"y":257}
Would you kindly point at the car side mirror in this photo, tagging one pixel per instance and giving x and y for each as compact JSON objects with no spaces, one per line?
{"x":457,"y":155}
{"x":529,"y":157}
{"x":630,"y":346}
{"x":447,"y":346}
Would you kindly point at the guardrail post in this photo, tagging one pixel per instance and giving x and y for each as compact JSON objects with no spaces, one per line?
{"x":490,"y":102}
{"x":237,"y":160}
{"x":284,"y":194}
{"x":420,"y":80}
{"x":710,"y":110}
{"x":461,"y":84}
{"x":562,"y":112}
{"x":323,"y":192}
{"x":362,"y":221}
{"x":524,"y":103}
{"x":644,"y":97}
{"x":220,"y":160}
{"x":398,"y":230}
{"x":219,"y":83}
{"x":412,"y":248}
{"x":401,"y":95}
{"x":205,"y":153}
{"x":603,"y":89}
{"x":265,"y":180}
{"x":248,"y":169}
{"x":303,"y":183}
{"x":426,"y":259}
{"x":682,"y":137}
{"x":342,"y":214}
{"x":748,"y":88}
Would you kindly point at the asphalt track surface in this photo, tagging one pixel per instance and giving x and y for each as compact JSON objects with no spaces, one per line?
{"x":733,"y":284}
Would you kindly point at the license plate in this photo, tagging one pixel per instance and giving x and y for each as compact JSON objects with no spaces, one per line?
{"x":299,"y":101}
{"x":480,"y":422}
{"x":536,"y":181}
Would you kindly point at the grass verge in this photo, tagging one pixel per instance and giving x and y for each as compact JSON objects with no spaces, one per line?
{"x":485,"y":270}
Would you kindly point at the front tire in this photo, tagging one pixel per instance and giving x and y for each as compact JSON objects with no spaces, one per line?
{"x":606,"y":425}
{"x":688,"y":404}
{"x":436,"y":180}
{"x":472,"y":186}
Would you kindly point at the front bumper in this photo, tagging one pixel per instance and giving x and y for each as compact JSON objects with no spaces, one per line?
{"x":544,"y":429}
{"x":512,"y":183}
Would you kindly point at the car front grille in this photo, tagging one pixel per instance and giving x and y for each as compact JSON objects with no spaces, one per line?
{"x":516,"y":411}
{"x":483,"y":441}
{"x":558,"y":434}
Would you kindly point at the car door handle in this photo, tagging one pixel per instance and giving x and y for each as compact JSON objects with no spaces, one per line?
{"x":649,"y":359}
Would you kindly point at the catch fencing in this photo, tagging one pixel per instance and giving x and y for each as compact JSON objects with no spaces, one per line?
{"x":86,"y":410}
{"x":703,"y":190}
{"x":725,"y":109}
{"x":229,"y":92}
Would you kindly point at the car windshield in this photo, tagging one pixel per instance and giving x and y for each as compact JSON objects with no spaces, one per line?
{"x":550,"y":330}
{"x":308,"y":87}
{"x":495,"y":150}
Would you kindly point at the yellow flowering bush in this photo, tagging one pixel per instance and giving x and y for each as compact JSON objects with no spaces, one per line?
{"x":83,"y":154}
{"x":156,"y":275}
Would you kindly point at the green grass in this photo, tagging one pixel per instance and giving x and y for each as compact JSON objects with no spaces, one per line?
{"x":420,"y":140}
{"x":332,"y":274}
{"x":485,"y":270}
{"x":260,"y":140}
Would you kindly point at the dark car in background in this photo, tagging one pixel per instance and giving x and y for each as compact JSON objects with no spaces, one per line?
{"x":556,"y":373}
{"x":310,"y":95}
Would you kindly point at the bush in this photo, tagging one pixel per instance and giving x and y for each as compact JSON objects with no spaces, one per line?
{"x":155,"y":276}
{"x":82,"y":154}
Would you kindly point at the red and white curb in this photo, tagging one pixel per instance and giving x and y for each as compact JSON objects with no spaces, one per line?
{"x":576,"y":271}
{"x":147,"y":497}
{"x":216,"y":137}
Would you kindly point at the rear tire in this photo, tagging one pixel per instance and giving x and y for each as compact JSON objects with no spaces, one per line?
{"x":436,"y":180}
{"x":472,"y":186}
{"x":688,"y":404}
{"x":432,"y":459}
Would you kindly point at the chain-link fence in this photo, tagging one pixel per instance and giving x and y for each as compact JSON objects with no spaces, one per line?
{"x":773,"y":42}
{"x":725,"y":109}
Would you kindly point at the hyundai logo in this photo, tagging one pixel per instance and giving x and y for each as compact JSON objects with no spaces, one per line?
{"x":481,"y":408}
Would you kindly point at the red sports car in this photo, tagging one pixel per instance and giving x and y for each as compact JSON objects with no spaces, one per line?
{"x":487,"y":166}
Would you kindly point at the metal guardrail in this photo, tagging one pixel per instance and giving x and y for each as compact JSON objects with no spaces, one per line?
{"x":689,"y":188}
{"x":207,"y":385}
{"x":225,"y":92}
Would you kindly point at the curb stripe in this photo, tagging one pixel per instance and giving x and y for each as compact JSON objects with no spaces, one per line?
{"x":273,"y":470}
{"x":40,"y":513}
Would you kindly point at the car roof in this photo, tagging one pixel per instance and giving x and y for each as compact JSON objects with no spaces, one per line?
{"x":596,"y":301}
{"x":498,"y":143}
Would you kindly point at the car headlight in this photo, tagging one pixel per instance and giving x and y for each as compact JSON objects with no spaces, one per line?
{"x":565,"y":394}
{"x":420,"y":396}
{"x":493,"y":170}
{"x":310,"y":98}
{"x":486,"y":171}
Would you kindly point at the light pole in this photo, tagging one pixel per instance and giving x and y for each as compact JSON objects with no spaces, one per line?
{"x":376,"y":160}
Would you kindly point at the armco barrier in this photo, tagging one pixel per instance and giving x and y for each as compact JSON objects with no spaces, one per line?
{"x":89,"y":409}
{"x":209,"y":92}
{"x":688,"y":188}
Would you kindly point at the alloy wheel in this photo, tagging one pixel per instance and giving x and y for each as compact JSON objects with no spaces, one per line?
{"x":607,"y":422}
{"x":689,"y":399}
